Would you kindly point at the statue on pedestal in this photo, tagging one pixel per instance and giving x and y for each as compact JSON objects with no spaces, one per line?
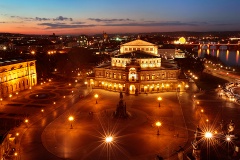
{"x":121,"y":111}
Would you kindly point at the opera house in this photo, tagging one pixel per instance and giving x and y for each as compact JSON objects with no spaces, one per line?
{"x":137,"y":68}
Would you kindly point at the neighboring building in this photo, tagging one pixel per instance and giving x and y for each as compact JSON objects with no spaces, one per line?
{"x":167,"y":53}
{"x":179,"y":54}
{"x":17,"y":75}
{"x":138,"y":68}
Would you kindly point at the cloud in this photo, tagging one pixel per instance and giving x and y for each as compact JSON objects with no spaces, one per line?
{"x":77,"y":22}
{"x":61,"y":18}
{"x":169,"y":23}
{"x":23,"y":18}
{"x":110,"y":20}
{"x":2,"y":22}
{"x":63,"y":25}
{"x":42,"y":19}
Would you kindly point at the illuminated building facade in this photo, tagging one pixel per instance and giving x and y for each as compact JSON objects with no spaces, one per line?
{"x":138,"y":68}
{"x":17,"y":75}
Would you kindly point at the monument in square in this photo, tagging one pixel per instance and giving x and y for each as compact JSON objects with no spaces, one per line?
{"x":121,"y":110}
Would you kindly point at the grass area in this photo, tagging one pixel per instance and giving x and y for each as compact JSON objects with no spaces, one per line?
{"x":209,"y":82}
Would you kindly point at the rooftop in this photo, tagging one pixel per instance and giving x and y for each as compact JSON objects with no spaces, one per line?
{"x":4,"y":62}
{"x":136,"y":54}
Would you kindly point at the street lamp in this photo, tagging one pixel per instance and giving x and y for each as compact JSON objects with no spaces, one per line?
{"x":158,"y":124}
{"x":159,"y":100}
{"x":42,"y":110}
{"x":208,"y":135}
{"x":26,"y":121}
{"x":96,"y":96}
{"x":70,"y":118}
{"x":108,"y":139}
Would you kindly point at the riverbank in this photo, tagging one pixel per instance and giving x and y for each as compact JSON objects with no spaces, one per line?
{"x":209,"y":82}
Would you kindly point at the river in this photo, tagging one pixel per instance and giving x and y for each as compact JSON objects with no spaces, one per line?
{"x":228,"y":57}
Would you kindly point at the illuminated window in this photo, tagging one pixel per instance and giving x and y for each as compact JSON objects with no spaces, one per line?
{"x":0,"y":79}
{"x":147,"y":77}
{"x":5,"y":78}
{"x":151,"y":49}
{"x":120,"y":76}
{"x":153,"y":76}
{"x":142,"y":77}
{"x":124,"y":76}
{"x":163,"y":75}
{"x":114,"y":75}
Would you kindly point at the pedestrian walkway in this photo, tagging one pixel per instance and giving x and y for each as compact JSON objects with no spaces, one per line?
{"x":137,"y":130}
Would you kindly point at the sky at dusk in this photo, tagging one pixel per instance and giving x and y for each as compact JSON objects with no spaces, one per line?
{"x":117,"y":16}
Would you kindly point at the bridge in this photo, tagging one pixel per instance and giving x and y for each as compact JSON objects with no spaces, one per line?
{"x":226,"y":46}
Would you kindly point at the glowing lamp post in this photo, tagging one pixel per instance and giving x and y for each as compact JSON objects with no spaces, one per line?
{"x":159,"y":100}
{"x":208,"y":135}
{"x":228,"y":138}
{"x":42,"y":110}
{"x":158,"y":124}
{"x":26,"y":121}
{"x":70,"y":118}
{"x":179,"y":88}
{"x":108,"y":139}
{"x":96,"y":96}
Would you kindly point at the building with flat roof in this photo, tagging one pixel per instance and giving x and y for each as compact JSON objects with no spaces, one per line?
{"x":16,"y":75}
{"x":138,"y":68}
